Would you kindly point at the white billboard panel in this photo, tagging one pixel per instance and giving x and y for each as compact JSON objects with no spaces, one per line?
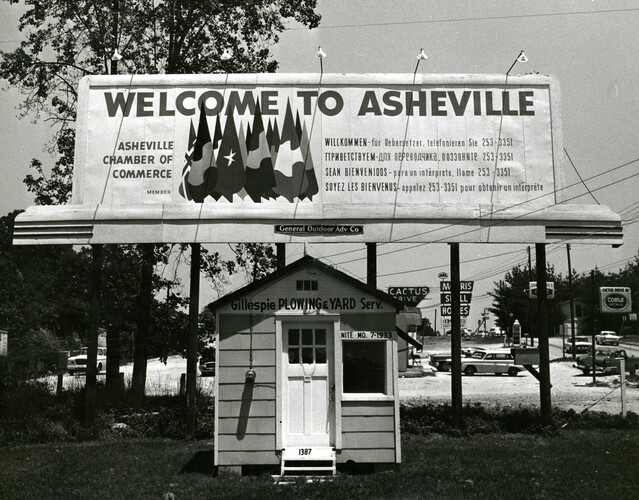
{"x":281,"y":140}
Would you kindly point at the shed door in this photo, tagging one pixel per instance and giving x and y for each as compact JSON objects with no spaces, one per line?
{"x":308,"y":413}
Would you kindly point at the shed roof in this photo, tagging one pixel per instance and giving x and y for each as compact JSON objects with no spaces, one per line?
{"x":307,"y":262}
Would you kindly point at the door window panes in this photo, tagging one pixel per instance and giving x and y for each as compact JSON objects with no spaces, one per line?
{"x":307,"y":345}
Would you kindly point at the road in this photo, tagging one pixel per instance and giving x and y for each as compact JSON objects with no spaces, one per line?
{"x":556,"y":348}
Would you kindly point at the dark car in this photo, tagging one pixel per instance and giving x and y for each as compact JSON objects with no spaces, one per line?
{"x":207,"y":360}
{"x":607,"y":360}
{"x":207,"y":368}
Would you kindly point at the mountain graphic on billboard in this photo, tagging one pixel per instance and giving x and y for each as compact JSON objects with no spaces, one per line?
{"x":265,"y":163}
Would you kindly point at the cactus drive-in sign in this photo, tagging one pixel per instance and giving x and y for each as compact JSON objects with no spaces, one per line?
{"x":615,"y":299}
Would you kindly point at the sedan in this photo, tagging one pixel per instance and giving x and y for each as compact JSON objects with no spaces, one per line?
{"x":607,"y":338}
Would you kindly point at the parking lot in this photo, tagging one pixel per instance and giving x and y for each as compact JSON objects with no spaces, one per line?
{"x":570,"y":387}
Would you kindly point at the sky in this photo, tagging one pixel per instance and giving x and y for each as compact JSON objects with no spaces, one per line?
{"x":590,"y":46}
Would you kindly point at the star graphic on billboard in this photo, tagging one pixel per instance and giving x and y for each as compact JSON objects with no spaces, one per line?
{"x":230,"y":157}
{"x":274,"y":159}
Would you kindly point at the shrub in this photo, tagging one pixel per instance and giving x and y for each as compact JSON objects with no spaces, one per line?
{"x":437,"y":419}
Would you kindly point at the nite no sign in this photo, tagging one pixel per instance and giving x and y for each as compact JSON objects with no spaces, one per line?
{"x":615,"y":299}
{"x":359,"y":335}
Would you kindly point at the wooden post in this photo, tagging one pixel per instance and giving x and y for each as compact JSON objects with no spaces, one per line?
{"x":455,"y":337}
{"x":191,"y":352}
{"x":371,"y":264}
{"x":531,"y":318}
{"x":622,"y":380}
{"x":572,"y":307}
{"x":281,"y":255}
{"x":542,"y":329}
{"x":92,"y":340}
{"x":145,"y":299}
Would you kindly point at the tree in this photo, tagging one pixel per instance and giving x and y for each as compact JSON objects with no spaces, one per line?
{"x":511,"y":300}
{"x":68,"y":39}
{"x":511,"y":296}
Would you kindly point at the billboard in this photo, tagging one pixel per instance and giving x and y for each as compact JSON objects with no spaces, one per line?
{"x":280,"y":141}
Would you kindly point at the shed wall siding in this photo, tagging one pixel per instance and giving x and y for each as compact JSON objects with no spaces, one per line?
{"x":368,"y":432}
{"x":246,"y":411}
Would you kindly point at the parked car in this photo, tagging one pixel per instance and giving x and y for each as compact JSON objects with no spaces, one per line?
{"x":77,"y":362}
{"x":496,"y":362}
{"x":582,"y":345}
{"x":440,"y":360}
{"x":207,"y":368}
{"x":607,"y":360}
{"x":607,"y":337}
{"x":469,"y":351}
{"x":207,"y":360}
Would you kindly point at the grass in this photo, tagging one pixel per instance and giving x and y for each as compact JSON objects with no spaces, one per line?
{"x":573,"y":464}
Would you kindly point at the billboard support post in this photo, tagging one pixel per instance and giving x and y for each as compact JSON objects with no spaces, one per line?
{"x":455,"y":337}
{"x":92,"y":340}
{"x":542,"y":328}
{"x":191,"y":353}
{"x":371,"y":264}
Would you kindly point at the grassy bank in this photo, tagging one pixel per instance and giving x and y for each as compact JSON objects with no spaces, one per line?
{"x":572,"y":464}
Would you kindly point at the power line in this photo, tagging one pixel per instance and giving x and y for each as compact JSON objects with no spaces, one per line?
{"x":504,"y":221}
{"x":467,"y":19}
{"x":579,"y":175}
{"x":605,"y":172}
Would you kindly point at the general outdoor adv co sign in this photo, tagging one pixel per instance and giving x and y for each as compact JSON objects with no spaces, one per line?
{"x":280,"y":140}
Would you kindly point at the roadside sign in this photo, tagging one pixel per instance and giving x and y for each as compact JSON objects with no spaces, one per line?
{"x":464,"y":286}
{"x":464,"y":298}
{"x":446,"y":322}
{"x":615,"y":299}
{"x":4,"y":342}
{"x":532,"y":290}
{"x":447,"y":310}
{"x":411,"y":295}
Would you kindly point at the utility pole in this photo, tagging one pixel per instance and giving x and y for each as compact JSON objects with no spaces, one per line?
{"x":572,"y":305}
{"x":530,"y":315}
{"x":191,"y":351}
{"x":455,"y":337}
{"x":542,"y":328}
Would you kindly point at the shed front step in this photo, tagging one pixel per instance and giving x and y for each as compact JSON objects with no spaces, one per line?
{"x":308,"y":461}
